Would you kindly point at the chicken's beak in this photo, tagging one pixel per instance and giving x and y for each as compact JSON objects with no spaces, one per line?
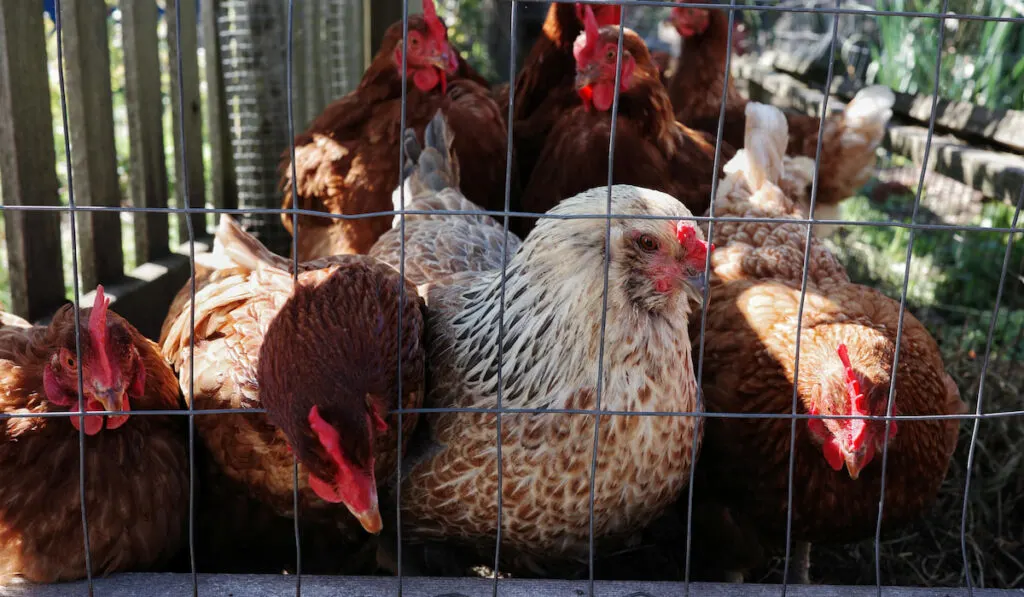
{"x":587,"y":76}
{"x":699,"y":282}
{"x":370,"y":517}
{"x":855,"y":463}
{"x":440,"y":61}
{"x":111,"y":400}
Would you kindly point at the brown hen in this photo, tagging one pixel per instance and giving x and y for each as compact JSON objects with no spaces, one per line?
{"x":544,"y":86}
{"x":847,"y":344}
{"x":136,"y":467}
{"x":652,"y":150}
{"x":850,"y":137}
{"x":347,"y":160}
{"x":321,"y":356}
{"x":553,"y":300}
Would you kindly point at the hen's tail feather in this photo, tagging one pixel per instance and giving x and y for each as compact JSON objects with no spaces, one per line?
{"x":242,"y":249}
{"x":764,"y":145}
{"x":870,"y":111}
{"x":850,"y":154}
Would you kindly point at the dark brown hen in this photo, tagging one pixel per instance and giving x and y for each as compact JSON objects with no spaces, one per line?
{"x":322,"y":357}
{"x":652,"y":150}
{"x":346,"y":162}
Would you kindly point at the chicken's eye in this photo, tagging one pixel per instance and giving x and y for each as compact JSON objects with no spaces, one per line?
{"x":610,"y":55}
{"x":647,"y":243}
{"x":67,"y":359}
{"x":414,"y":41}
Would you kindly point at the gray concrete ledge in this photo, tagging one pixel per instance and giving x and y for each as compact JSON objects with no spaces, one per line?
{"x":180,"y":585}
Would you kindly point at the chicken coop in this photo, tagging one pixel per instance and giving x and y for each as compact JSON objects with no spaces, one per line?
{"x":129,"y":127}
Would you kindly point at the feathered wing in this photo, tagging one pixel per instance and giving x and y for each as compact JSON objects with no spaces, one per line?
{"x":765,"y":250}
{"x":439,"y":245}
{"x":848,"y":143}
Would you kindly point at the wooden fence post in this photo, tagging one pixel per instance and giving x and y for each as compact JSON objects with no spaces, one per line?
{"x":222,"y":164}
{"x":144,"y":103}
{"x":91,"y":126}
{"x":27,"y":163}
{"x":193,"y":142}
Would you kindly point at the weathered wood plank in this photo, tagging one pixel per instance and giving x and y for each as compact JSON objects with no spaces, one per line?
{"x":27,"y":162}
{"x":144,"y":103}
{"x":995,"y":174}
{"x":191,"y":147}
{"x":1002,"y":127}
{"x":1005,"y":127}
{"x":174,"y":585}
{"x":224,"y":187}
{"x":91,"y":124}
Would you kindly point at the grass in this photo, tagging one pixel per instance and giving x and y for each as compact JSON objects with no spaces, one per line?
{"x":982,"y":62}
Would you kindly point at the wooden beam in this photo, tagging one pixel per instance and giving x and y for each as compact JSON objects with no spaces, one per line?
{"x":91,"y":124}
{"x":27,"y":162}
{"x":144,"y":103}
{"x":222,"y":163}
{"x":251,"y":585}
{"x":192,"y":145}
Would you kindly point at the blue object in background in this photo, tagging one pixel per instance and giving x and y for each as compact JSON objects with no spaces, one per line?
{"x":50,"y":8}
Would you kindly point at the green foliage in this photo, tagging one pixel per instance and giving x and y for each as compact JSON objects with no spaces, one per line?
{"x":982,"y":62}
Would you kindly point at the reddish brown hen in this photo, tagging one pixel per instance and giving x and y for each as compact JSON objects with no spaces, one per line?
{"x":347,"y":160}
{"x":544,"y":85}
{"x":850,"y":137}
{"x":552,"y":306}
{"x":652,"y":150}
{"x":136,"y":467}
{"x":321,"y":356}
{"x":847,"y":345}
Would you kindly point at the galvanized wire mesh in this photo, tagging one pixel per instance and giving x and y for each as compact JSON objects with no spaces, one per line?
{"x":261,"y":82}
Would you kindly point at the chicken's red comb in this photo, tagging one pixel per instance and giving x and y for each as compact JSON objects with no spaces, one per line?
{"x":590,"y":37}
{"x":609,"y":14}
{"x":696,"y":249}
{"x":103,"y":372}
{"x":434,"y":24}
{"x":858,"y":404}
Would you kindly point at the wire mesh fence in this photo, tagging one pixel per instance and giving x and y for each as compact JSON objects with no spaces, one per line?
{"x":965,"y":286}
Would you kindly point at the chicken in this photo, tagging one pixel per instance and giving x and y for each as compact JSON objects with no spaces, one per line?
{"x":652,"y":150}
{"x":850,"y":138}
{"x":321,"y":356}
{"x":346,"y":162}
{"x":543,"y":87}
{"x":553,"y":303}
{"x":136,"y":467}
{"x":847,"y":345}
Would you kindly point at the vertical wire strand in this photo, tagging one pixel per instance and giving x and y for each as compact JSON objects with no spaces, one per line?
{"x":513,"y":31}
{"x":186,"y":208}
{"x":604,"y":297}
{"x":803,"y":296}
{"x":694,"y":447}
{"x":981,"y":393}
{"x":404,"y":75}
{"x":289,"y":58}
{"x":59,"y":26}
{"x":903,"y":303}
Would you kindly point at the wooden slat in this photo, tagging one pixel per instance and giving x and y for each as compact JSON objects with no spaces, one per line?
{"x":91,"y":124}
{"x":193,"y":142}
{"x":145,"y":127}
{"x":222,"y":164}
{"x":27,"y":162}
